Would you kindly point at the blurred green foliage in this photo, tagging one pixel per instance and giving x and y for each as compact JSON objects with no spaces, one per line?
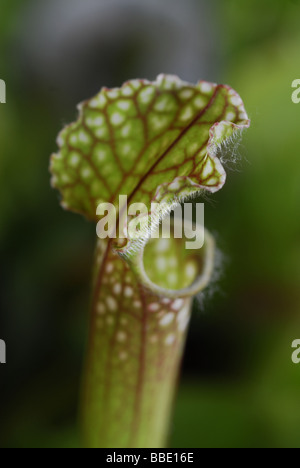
{"x":239,"y":387}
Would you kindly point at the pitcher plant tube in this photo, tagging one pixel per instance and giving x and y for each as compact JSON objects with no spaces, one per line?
{"x":153,"y":142}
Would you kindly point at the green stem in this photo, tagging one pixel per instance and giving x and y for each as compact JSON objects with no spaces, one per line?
{"x":136,"y":345}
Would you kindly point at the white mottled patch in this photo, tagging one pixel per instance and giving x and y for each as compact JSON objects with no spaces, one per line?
{"x":212,"y":181}
{"x":218,"y":165}
{"x":137,"y":304}
{"x":166,"y":301}
{"x":60,"y":140}
{"x":100,"y":120}
{"x":93,"y":103}
{"x":199,"y":102}
{"x":136,"y":84}
{"x":175,"y":185}
{"x":113,"y":93}
{"x":126,"y":149}
{"x":124,"y":105}
{"x":98,"y":101}
{"x":146,"y":95}
{"x":158,"y":122}
{"x":101,"y":132}
{"x":186,"y":94}
{"x":230,"y":116}
{"x":177,"y":304}
{"x":117,"y":118}
{"x":206,"y":87}
{"x":95,"y":122}
{"x":219,"y":131}
{"x":83,"y":137}
{"x":162,"y":104}
{"x":207,"y":169}
{"x":128,"y":291}
{"x":170,"y":339}
{"x":109,"y":268}
{"x":121,"y":337}
{"x":161,"y":263}
{"x":101,"y":155}
{"x":102,"y":100}
{"x":126,"y":130}
{"x":86,"y":173}
{"x":167,"y":319}
{"x":171,"y":81}
{"x":74,"y":139}
{"x":75,"y":159}
{"x":236,"y":100}
{"x":190,"y":270}
{"x":154,"y":307}
{"x":127,"y":91}
{"x":186,"y":114}
{"x":117,"y":288}
{"x":111,"y":303}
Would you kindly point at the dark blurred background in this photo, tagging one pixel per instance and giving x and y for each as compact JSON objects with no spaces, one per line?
{"x":239,"y":387}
